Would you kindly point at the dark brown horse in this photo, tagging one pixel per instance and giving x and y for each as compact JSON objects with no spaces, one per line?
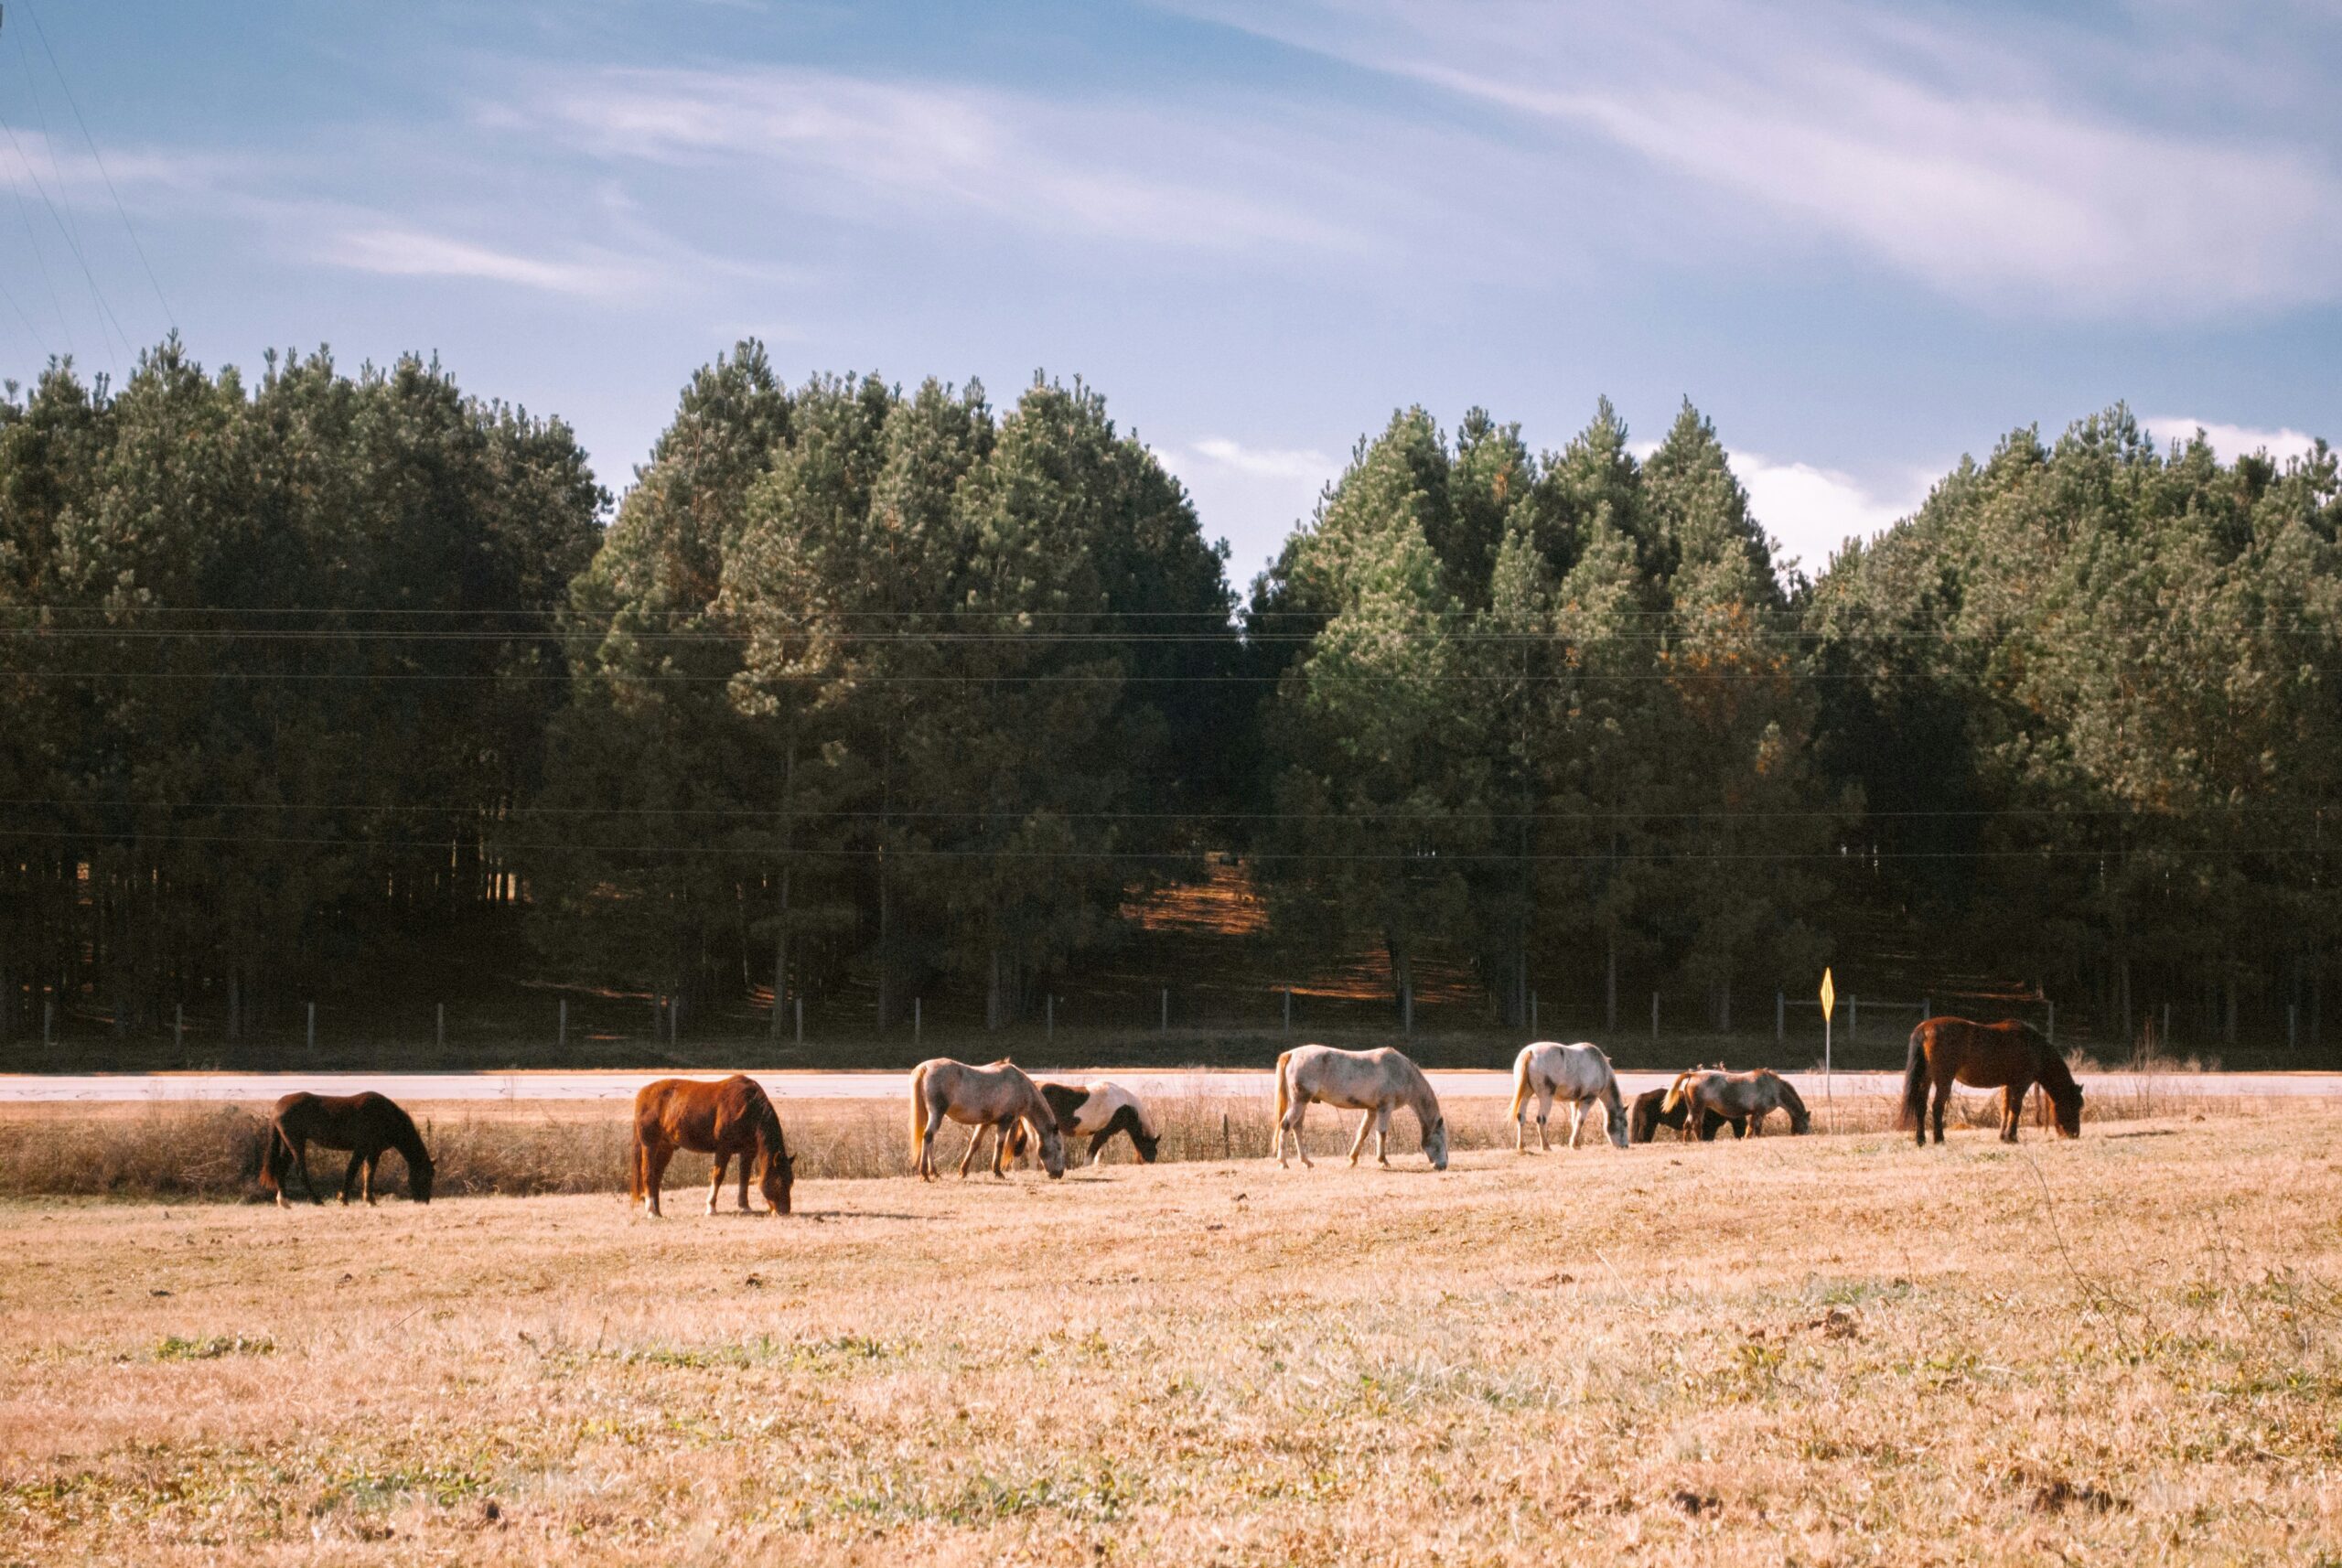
{"x":2011,"y":1057}
{"x":731,"y":1117}
{"x":1650,"y":1114}
{"x":366,"y":1125}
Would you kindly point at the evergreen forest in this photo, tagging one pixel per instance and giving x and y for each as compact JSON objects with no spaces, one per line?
{"x":869,"y":696}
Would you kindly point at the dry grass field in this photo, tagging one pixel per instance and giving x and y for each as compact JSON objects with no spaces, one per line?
{"x":1829,"y":1349}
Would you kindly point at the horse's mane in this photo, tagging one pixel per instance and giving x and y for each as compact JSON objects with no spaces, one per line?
{"x":406,"y":1137}
{"x":2056,"y":1076}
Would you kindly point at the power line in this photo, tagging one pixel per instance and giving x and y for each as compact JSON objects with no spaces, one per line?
{"x":1427,"y":861}
{"x":96,"y":157}
{"x":72,"y":235}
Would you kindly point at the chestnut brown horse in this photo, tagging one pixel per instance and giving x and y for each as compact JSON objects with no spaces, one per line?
{"x":723,"y":1119}
{"x":366,"y":1125}
{"x":2011,"y":1057}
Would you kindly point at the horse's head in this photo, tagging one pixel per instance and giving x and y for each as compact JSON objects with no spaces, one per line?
{"x":2066,"y":1104}
{"x":1800,"y":1119}
{"x":1436,"y":1143}
{"x":1146,"y":1143}
{"x":1614,"y":1121}
{"x":781,"y":1166}
{"x":1043,"y":1127}
{"x":419,"y":1176}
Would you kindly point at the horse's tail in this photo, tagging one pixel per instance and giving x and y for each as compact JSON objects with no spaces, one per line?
{"x":1675,"y":1090}
{"x":272,"y":1163}
{"x":1284,"y":1088}
{"x":1913,"y":1109}
{"x":1521,"y":1080}
{"x":918,"y":1114}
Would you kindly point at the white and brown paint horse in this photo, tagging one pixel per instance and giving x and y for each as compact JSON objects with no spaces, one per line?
{"x":1096,"y":1112}
{"x":998,"y":1096}
{"x":1375,"y":1083}
{"x":1734,"y":1095}
{"x":1579,"y":1074}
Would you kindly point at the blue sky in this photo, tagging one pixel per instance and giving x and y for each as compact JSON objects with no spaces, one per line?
{"x":1863,"y":239}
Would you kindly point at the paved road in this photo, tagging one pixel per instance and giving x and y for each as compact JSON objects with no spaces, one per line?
{"x":26,"y":1089}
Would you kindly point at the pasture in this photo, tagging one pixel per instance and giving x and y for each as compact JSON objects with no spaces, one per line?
{"x":1827,"y":1349}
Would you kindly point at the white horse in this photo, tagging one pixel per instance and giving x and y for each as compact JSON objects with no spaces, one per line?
{"x":1579,"y":1074}
{"x":998,"y":1096}
{"x":1374,"y":1081}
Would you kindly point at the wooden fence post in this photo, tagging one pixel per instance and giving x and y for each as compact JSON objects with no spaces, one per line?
{"x":1226,"y":1139}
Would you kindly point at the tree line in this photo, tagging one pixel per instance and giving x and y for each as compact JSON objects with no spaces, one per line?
{"x":866,"y":691}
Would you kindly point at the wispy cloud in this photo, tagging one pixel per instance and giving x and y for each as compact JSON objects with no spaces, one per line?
{"x":1295,"y":463}
{"x":1957,"y":159}
{"x":2231,"y":442}
{"x":402,"y":252}
{"x":859,"y":145}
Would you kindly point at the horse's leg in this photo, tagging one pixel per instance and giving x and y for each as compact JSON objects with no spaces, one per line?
{"x":1000,"y":1152}
{"x":654,"y":1172}
{"x":1577,"y":1121}
{"x":968,"y":1155}
{"x":2012,"y":1109}
{"x":366,"y":1177}
{"x":1545,"y":1115}
{"x":1382,"y":1137}
{"x":927,"y":1143}
{"x":1942,"y":1102}
{"x":1098,"y":1145}
{"x":350,"y":1174}
{"x":1365,"y":1124}
{"x":747,"y":1159}
{"x":301,"y":1158}
{"x":715,"y":1178}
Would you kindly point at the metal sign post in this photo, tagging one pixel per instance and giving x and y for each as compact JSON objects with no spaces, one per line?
{"x":1829,"y":1005}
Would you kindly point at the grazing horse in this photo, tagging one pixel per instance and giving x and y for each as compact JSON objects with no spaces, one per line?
{"x":2011,"y":1057}
{"x":1096,"y":1112}
{"x":731,"y":1117}
{"x":1650,"y":1113}
{"x":1375,"y":1082}
{"x":999,"y":1096}
{"x":366,"y":1125}
{"x":1580,"y":1074}
{"x":1737,"y":1094}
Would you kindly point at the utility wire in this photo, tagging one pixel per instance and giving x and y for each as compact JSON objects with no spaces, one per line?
{"x":98,"y":159}
{"x":72,"y":235}
{"x":1427,"y":861}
